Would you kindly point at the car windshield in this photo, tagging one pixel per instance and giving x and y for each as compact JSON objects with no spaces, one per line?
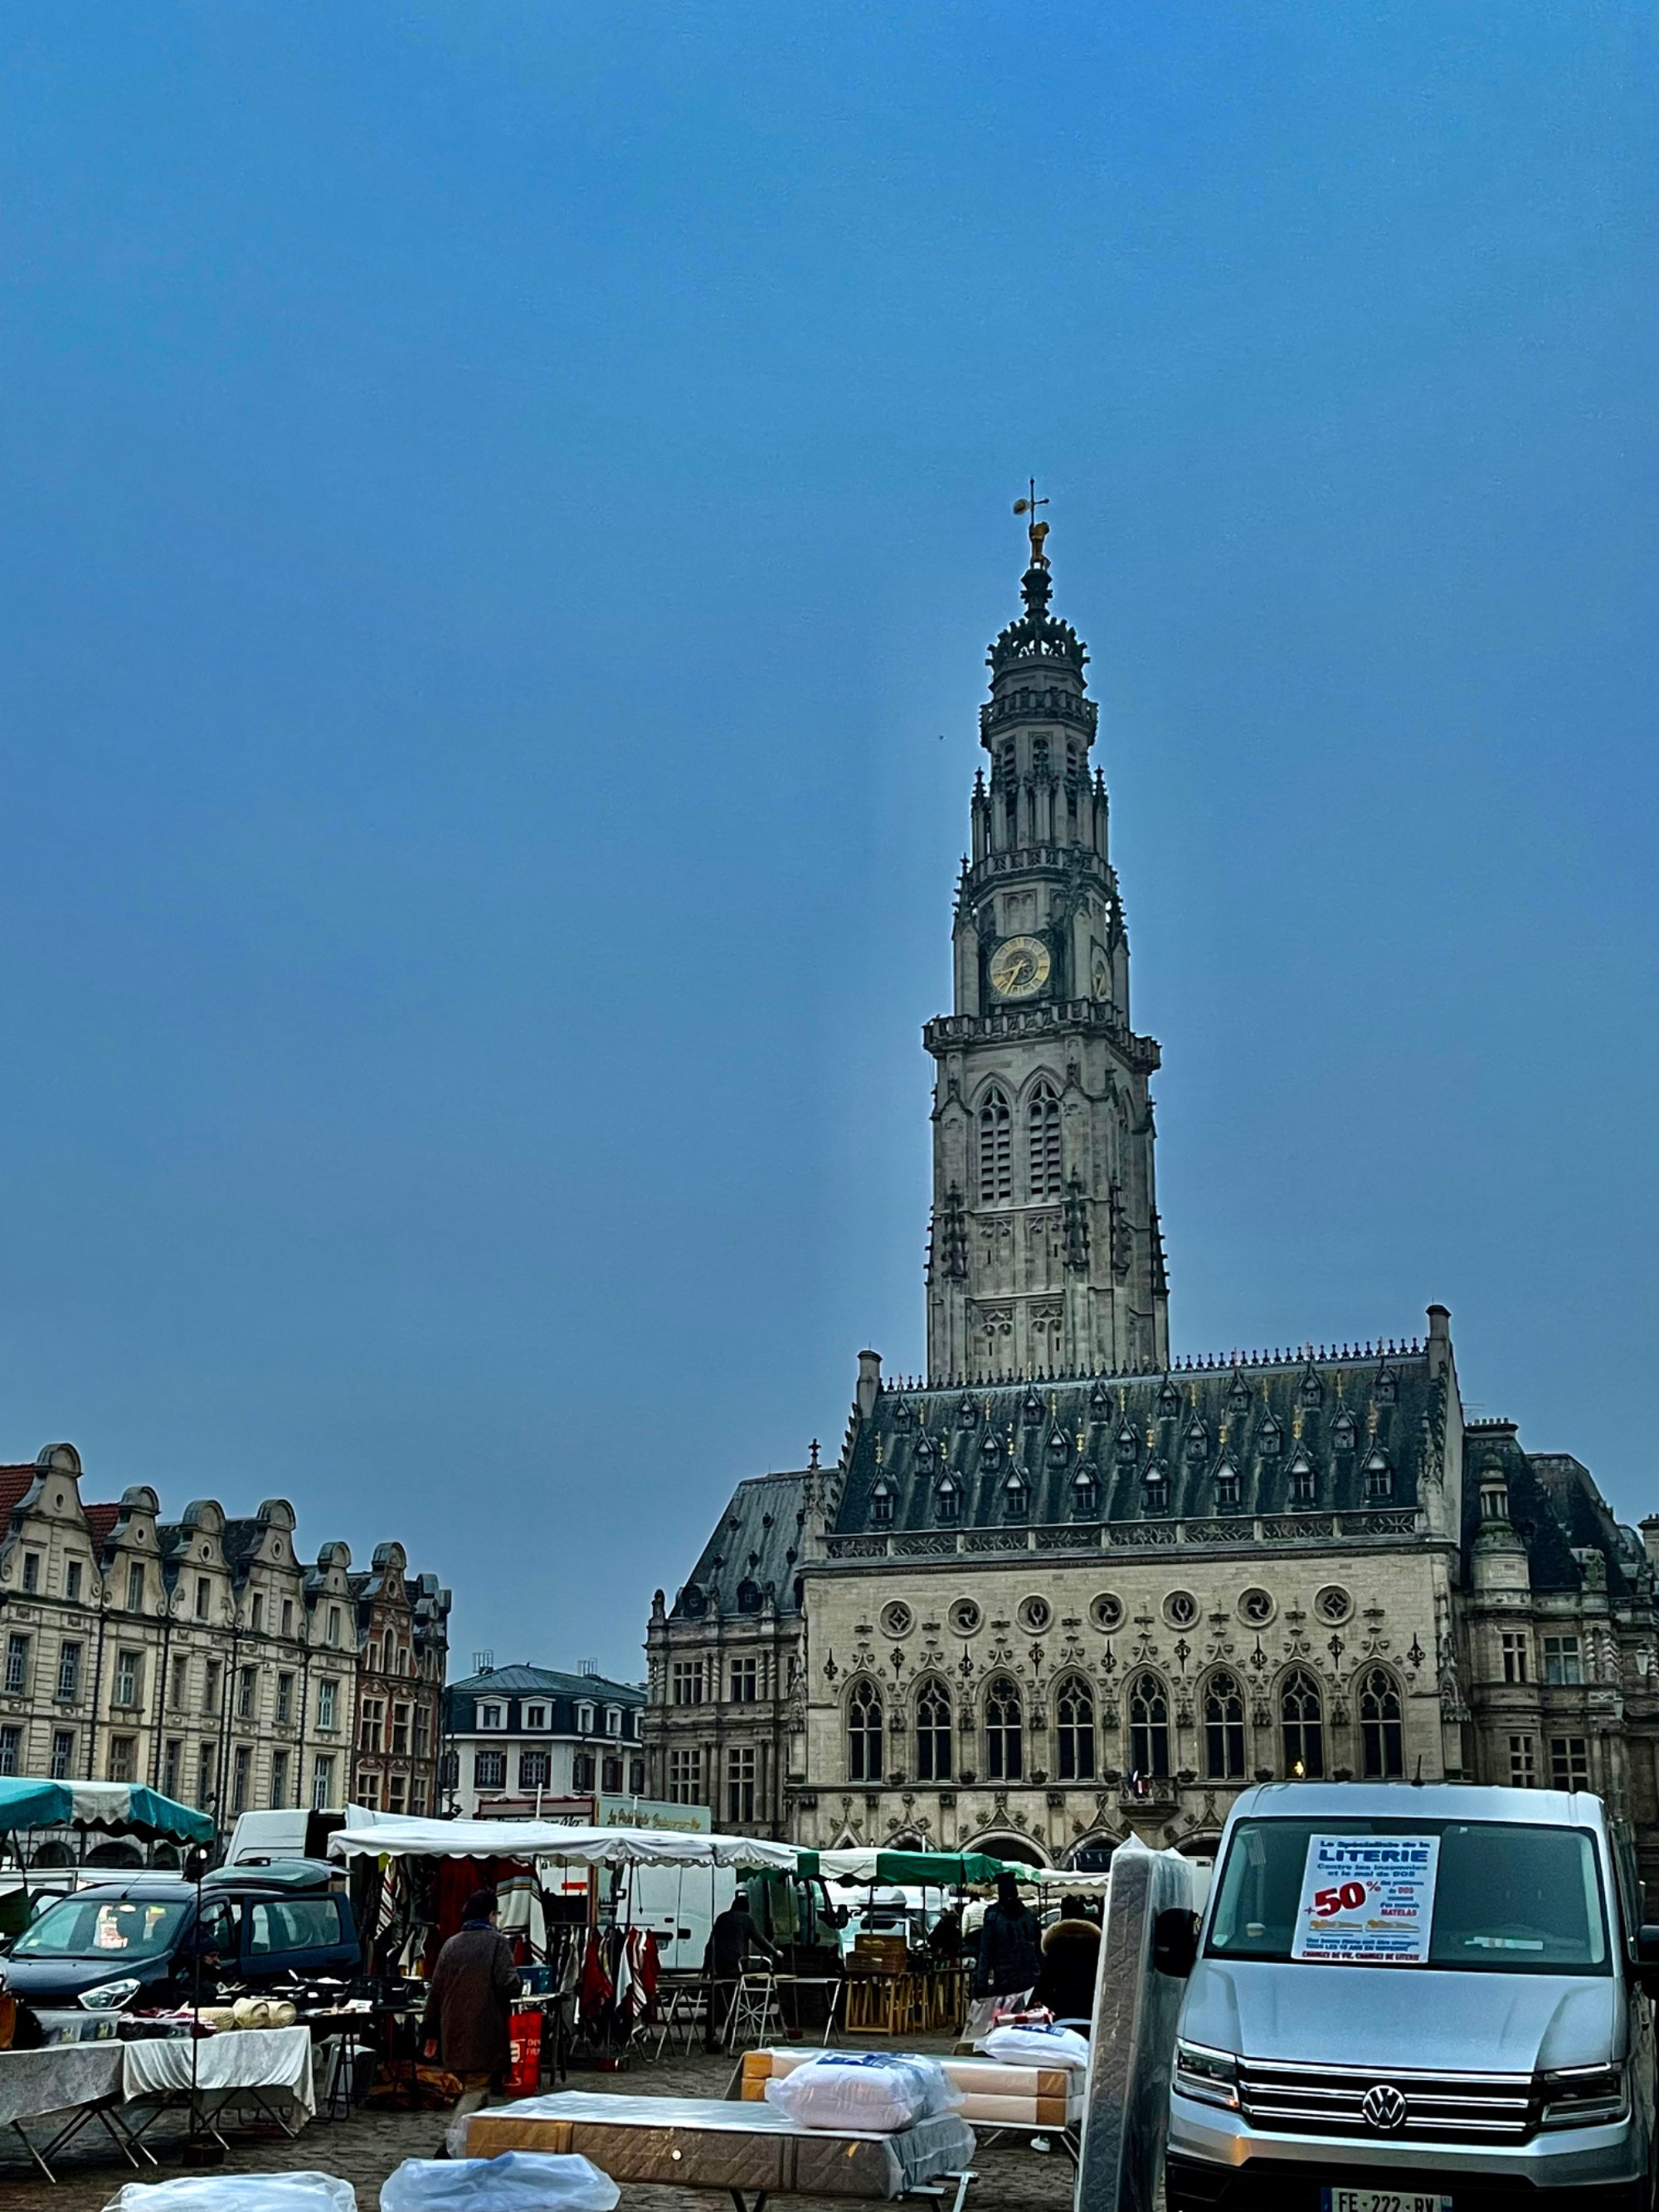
{"x":1508,"y":1899}
{"x":103,"y":1928}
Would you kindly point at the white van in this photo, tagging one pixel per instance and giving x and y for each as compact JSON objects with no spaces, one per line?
{"x":1415,"y":1999}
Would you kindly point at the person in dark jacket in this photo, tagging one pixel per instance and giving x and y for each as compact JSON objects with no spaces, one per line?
{"x":1007,"y":1963}
{"x":1071,"y":1953}
{"x":469,"y":2010}
{"x":731,"y":1939}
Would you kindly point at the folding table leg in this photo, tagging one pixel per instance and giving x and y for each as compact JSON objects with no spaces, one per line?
{"x":17,"y":2129}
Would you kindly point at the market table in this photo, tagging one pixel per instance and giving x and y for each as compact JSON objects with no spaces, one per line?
{"x":74,"y":2082}
{"x":269,"y":2068}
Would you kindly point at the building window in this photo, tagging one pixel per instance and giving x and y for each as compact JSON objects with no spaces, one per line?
{"x":613,"y":1720}
{"x":1226,"y":1485}
{"x":1379,"y":1479}
{"x":1302,"y":1719}
{"x":135,"y":1587}
{"x":127,"y":1689}
{"x":1523,"y":1773}
{"x":636,"y":1777}
{"x":1149,"y":1726}
{"x":11,"y":1746}
{"x":611,"y":1774}
{"x":749,"y":1595}
{"x":63,"y":1754}
{"x":996,"y":1168}
{"x":285,"y":1697}
{"x":1515,"y":1656}
{"x":1223,"y":1730}
{"x":1086,"y":1495}
{"x":1561,"y":1660}
{"x":397,"y":1793}
{"x":1155,"y":1496}
{"x":881,"y":1503}
{"x":581,"y":1772}
{"x":947,"y":1503}
{"x":489,"y":1770}
{"x":69,"y":1672}
{"x":322,"y":1784}
{"x":492,"y":1717}
{"x":173,"y":1767}
{"x":244,"y":1694}
{"x":278,"y":1780}
{"x":746,"y":1681}
{"x":864,"y":1762}
{"x":1005,"y":1735}
{"x":203,"y":1592}
{"x":256,"y":1615}
{"x":328,"y":1703}
{"x":334,"y":1624}
{"x":1569,"y":1762}
{"x":934,"y":1743}
{"x":535,"y":1717}
{"x":422,"y":1732}
{"x":418,"y":1798}
{"x":1042,"y":1139}
{"x":367,"y":1790}
{"x":584,"y":1720}
{"x":535,"y":1770}
{"x":72,"y":1582}
{"x":685,"y":1685}
{"x":400,"y":1731}
{"x":17,"y":1666}
{"x":287,"y":1616}
{"x":122,"y":1755}
{"x":180,"y":1681}
{"x":685,"y":1777}
{"x":1304,"y":1480}
{"x":241,"y":1776}
{"x":1015,"y":1497}
{"x":369,"y":1725}
{"x":31,"y":1573}
{"x":1075,"y":1748}
{"x":1379,"y":1727}
{"x":211,"y":1687}
{"x":739,"y":1783}
{"x":205,"y":1770}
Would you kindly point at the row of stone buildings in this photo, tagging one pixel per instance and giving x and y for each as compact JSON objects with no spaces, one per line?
{"x":205,"y":1658}
{"x":1067,"y":1586}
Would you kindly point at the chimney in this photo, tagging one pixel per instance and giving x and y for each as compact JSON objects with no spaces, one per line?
{"x":869,"y":1383}
{"x":1439,"y":1338}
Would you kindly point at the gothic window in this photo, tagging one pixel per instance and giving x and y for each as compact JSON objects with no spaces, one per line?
{"x":1270,"y":1438}
{"x":1379,"y":1479}
{"x":1226,"y":1484}
{"x":1223,"y":1730}
{"x":1304,"y":1480}
{"x":1086,"y":1495}
{"x":1042,"y":1133}
{"x":881,"y":1504}
{"x":1039,"y":755}
{"x":947,"y":1503}
{"x":1005,"y":1753}
{"x":1074,"y":1709}
{"x":996,"y":1173}
{"x":864,"y":1749}
{"x":933,"y":1733}
{"x":1342,"y":1431}
{"x":1015,"y":1497}
{"x":1302,"y":1717}
{"x":1379,"y":1726}
{"x":1169,"y":1401}
{"x":1198,"y":1440}
{"x":1156,"y":1496}
{"x":1313,"y":1390}
{"x":1128,"y":1446}
{"x":1149,"y":1726}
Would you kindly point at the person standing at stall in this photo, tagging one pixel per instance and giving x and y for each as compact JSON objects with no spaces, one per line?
{"x":1007,"y":1963}
{"x":731,"y":1939}
{"x":467,"y":2026}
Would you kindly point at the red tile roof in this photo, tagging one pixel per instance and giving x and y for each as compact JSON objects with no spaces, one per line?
{"x":100,"y":1519}
{"x":15,"y":1483}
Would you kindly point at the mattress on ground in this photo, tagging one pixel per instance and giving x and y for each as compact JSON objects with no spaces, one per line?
{"x":703,"y":2143}
{"x":994,"y":2095}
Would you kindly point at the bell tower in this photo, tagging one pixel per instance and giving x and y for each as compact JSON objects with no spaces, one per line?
{"x":1045,"y":1255}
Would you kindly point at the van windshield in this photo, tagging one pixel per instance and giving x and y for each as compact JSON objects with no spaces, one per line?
{"x":1508,"y":1899}
{"x":103,"y":1928}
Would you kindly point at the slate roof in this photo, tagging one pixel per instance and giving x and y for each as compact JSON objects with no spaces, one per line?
{"x":1554,"y":1507}
{"x":515,"y":1681}
{"x":1200,"y":1425}
{"x":754,"y":1553}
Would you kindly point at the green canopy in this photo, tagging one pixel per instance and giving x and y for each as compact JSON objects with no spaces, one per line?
{"x":917,"y":1870}
{"x":118,"y":1809}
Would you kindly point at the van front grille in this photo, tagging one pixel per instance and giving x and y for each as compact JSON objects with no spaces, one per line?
{"x":1339,"y":2101}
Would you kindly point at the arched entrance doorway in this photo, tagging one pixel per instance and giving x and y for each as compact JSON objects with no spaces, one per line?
{"x":1018,"y":1849}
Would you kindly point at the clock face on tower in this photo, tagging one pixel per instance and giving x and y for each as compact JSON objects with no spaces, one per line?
{"x":1019,"y":967}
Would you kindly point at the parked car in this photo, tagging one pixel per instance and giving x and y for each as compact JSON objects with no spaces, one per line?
{"x":132,"y":1945}
{"x":1492,"y":2043}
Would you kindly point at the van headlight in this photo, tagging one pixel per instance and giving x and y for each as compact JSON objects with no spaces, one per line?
{"x":1582,"y":2096}
{"x":109,"y":1996}
{"x":1211,"y":2076}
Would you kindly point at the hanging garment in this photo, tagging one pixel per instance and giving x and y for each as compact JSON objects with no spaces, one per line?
{"x":596,"y":1982}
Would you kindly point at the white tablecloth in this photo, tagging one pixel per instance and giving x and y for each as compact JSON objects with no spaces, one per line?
{"x":276,"y":2060}
{"x":59,"y":2079}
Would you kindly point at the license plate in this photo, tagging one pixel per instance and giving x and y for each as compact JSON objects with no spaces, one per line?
{"x":1383,"y":2200}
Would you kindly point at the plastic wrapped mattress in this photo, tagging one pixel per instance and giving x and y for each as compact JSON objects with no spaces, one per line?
{"x":992,"y":2095}
{"x":705,"y":2142}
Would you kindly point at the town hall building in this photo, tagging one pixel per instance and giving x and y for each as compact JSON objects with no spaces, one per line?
{"x":1069,"y":1585}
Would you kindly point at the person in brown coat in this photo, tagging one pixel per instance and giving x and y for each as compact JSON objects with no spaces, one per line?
{"x":466,"y":2028}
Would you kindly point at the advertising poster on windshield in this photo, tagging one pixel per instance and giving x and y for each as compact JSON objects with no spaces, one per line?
{"x":1367,"y":1900}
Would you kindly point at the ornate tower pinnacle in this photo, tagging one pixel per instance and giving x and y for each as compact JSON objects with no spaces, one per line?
{"x":1045,"y":1254}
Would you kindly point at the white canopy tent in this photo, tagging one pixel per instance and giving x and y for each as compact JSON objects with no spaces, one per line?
{"x":380,"y":1835}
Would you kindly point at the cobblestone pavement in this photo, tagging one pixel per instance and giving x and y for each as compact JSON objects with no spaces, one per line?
{"x":364,"y":2149}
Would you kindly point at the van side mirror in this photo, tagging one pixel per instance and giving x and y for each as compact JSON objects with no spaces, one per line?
{"x":1647,"y":1961}
{"x":1174,"y":1942}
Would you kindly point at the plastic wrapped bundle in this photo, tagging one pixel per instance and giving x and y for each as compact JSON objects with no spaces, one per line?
{"x":238,"y":2193}
{"x":517,"y":2181}
{"x":1037,"y":2046}
{"x":868,"y":2091}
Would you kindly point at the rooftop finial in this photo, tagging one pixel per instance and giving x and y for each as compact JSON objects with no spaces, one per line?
{"x":1035,"y":586}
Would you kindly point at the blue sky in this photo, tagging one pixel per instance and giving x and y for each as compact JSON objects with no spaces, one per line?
{"x":504,"y":508}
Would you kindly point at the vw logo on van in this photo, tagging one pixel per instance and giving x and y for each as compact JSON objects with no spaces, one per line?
{"x":1384,"y":2108}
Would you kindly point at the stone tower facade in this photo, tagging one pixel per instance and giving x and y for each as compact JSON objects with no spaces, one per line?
{"x":1045,"y":1255}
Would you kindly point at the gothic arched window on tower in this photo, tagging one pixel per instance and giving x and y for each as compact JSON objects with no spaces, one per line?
{"x":1223,"y":1730}
{"x":933,"y":1746}
{"x":1074,"y":1711}
{"x":1042,"y":1134}
{"x":1301,"y":1716}
{"x":1005,"y":1751}
{"x":996,"y":1162}
{"x":864,"y":1733}
{"x":1149,"y":1726}
{"x":1380,"y":1728}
